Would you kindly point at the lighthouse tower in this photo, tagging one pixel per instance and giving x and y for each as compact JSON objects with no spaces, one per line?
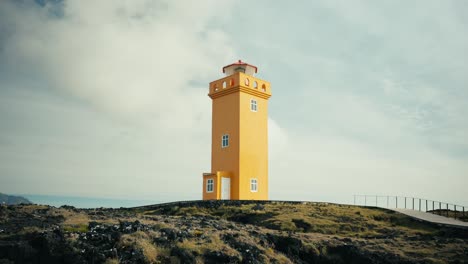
{"x":239,"y":147}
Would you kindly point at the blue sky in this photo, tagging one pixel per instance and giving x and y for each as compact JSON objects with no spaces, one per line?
{"x":109,"y":99}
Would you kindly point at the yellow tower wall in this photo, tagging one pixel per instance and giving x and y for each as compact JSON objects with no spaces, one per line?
{"x":247,"y":154}
{"x":225,"y":120}
{"x":253,"y":147}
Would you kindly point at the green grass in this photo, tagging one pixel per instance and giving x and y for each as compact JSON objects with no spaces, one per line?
{"x":322,"y":218}
{"x":273,"y":232}
{"x":82,"y":228}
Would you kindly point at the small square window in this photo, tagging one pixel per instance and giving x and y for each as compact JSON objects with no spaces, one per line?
{"x":253,"y":105}
{"x":253,"y":185}
{"x":225,"y":141}
{"x":209,"y":185}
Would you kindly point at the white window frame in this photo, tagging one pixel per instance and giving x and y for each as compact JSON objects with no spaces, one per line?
{"x":209,"y":183}
{"x":225,"y":141}
{"x":253,"y":105}
{"x":253,"y":185}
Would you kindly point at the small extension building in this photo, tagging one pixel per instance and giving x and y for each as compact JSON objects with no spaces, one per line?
{"x":239,"y":147}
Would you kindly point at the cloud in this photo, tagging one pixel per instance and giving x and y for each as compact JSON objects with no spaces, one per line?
{"x":277,"y":139}
{"x":367,"y":97}
{"x":139,"y":71}
{"x":123,"y":57}
{"x":370,"y":96}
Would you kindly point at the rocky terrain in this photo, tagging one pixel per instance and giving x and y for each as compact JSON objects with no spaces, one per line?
{"x":224,"y":232}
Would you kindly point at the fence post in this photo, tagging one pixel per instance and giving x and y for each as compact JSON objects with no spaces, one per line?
{"x":376,"y":205}
{"x":463,"y":211}
{"x":455,"y":210}
{"x":447,"y":210}
{"x":433,"y":209}
{"x":396,"y":202}
{"x":440,"y":208}
{"x":354,"y":199}
{"x":413,"y":203}
{"x":405,"y":202}
{"x":426,"y":205}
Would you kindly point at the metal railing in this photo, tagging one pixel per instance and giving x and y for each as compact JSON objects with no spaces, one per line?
{"x":414,"y":203}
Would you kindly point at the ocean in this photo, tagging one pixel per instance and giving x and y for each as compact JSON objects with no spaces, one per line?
{"x":88,"y":202}
{"x":94,"y":202}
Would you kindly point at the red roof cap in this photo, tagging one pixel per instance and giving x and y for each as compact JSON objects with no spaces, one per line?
{"x":239,"y":62}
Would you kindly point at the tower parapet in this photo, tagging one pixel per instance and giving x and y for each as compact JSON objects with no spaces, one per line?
{"x":250,"y":84}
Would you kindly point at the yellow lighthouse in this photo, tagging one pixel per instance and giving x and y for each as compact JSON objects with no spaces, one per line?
{"x":239,"y":147}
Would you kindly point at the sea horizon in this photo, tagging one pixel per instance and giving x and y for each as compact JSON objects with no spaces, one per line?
{"x":113,"y":202}
{"x":89,"y":202}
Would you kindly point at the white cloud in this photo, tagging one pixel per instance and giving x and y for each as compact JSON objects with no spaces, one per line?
{"x":277,"y":140}
{"x":126,"y":57}
{"x":367,"y":97}
{"x":140,"y":65}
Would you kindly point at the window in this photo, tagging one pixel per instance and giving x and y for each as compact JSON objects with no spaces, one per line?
{"x":209,"y":185}
{"x":225,"y":141}
{"x":253,"y":105}
{"x":253,"y":185}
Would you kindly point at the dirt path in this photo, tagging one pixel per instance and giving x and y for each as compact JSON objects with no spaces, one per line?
{"x":432,"y":218}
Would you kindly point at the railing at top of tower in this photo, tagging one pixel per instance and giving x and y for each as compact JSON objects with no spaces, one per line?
{"x":240,"y":79}
{"x":414,"y":203}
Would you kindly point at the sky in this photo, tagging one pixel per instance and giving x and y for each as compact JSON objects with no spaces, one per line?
{"x":109,"y":98}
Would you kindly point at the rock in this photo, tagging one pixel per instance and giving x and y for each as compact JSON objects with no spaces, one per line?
{"x":214,"y":257}
{"x":170,"y":233}
{"x":184,"y":255}
{"x":347,"y":240}
{"x":258,"y":207}
{"x":250,"y":253}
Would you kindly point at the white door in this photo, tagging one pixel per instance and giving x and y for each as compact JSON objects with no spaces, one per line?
{"x":225,"y":188}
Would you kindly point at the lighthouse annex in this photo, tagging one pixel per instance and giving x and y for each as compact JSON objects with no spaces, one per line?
{"x":239,"y":146}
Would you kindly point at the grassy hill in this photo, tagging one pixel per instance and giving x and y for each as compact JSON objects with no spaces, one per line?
{"x":226,"y":232}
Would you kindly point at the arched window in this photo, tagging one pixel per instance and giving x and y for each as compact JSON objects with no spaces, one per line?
{"x":231,"y":82}
{"x":215,"y":87}
{"x":224,"y":85}
{"x":247,"y":81}
{"x":264,"y":87}
{"x":255,"y":85}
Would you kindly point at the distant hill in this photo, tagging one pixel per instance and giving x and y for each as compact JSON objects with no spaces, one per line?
{"x":10,"y":199}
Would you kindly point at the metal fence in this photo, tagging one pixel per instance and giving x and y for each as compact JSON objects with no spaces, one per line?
{"x":414,"y":203}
